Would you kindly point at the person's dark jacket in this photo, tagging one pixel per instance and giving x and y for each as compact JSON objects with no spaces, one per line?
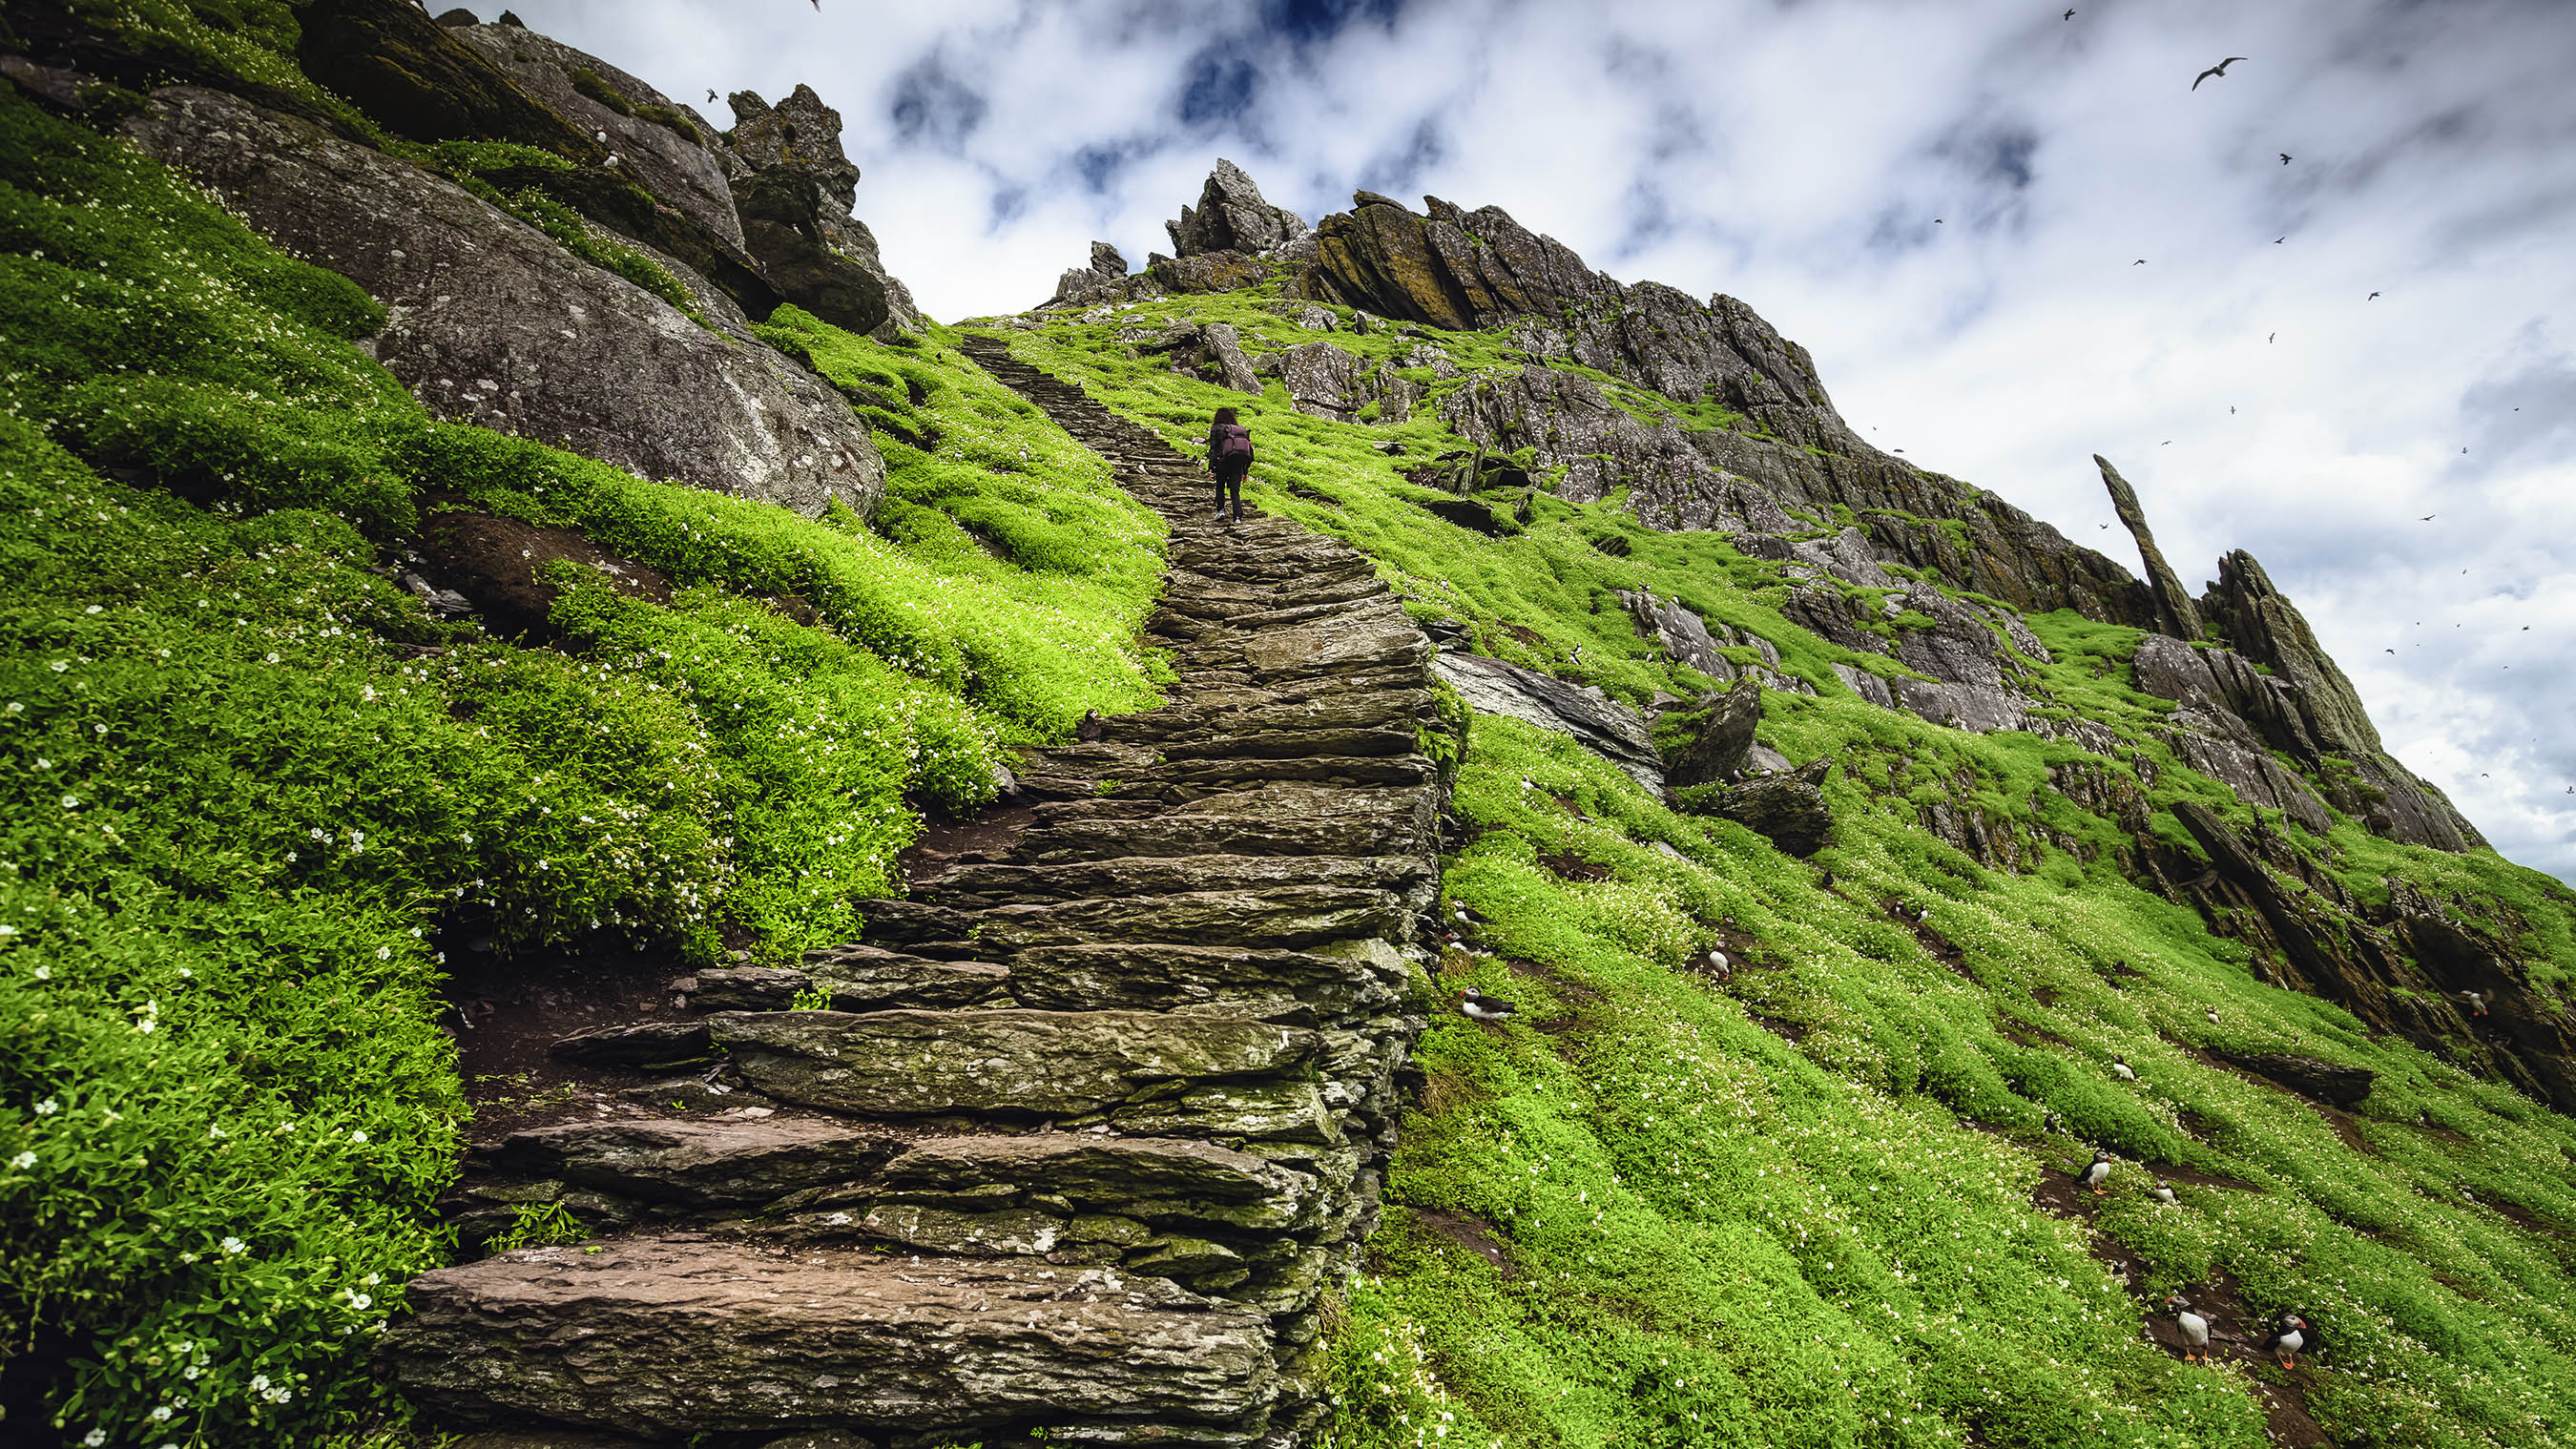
{"x":1216,"y":439}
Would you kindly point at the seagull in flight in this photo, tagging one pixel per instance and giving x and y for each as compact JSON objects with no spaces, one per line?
{"x":2219,"y":69}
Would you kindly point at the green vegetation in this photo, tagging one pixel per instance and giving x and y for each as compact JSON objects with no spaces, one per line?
{"x":251,"y":789}
{"x":1798,"y":1208}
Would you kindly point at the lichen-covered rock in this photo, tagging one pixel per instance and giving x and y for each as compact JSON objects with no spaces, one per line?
{"x":666,"y":1338}
{"x":900,"y":1062}
{"x":1567,"y":422}
{"x":1225,"y":271}
{"x":492,"y":322}
{"x":2174,"y":609}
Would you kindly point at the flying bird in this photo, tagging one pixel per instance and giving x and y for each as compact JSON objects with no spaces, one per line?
{"x":2069,"y":15}
{"x":2275,"y":337}
{"x":2140,"y":262}
{"x":2373,"y":297}
{"x":2427,"y":518}
{"x":711,"y":95}
{"x":2231,"y":410}
{"x":2219,"y":69}
{"x":2276,"y":241}
{"x":2477,"y":1000}
{"x":2285,"y":158}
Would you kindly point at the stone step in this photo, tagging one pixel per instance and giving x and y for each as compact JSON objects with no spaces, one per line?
{"x":985,"y":886}
{"x":1045,"y":1063}
{"x":1291,"y":917}
{"x":1283,"y":819}
{"x":1268,"y":984}
{"x":667,"y":1338}
{"x":697,"y":1161}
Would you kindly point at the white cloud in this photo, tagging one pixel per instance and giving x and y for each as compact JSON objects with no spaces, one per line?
{"x":1796,"y":156}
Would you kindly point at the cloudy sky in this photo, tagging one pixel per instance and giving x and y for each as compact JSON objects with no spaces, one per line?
{"x":1945,"y":202}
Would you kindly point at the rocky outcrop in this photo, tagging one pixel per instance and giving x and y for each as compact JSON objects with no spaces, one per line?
{"x":1104,"y":280}
{"x":1787,"y":808}
{"x":1212,"y":352}
{"x":1101,"y":1111}
{"x":1717,"y":737}
{"x":1597,"y":722}
{"x":2174,"y":611}
{"x":794,"y":193}
{"x":494,"y":323}
{"x":664,"y":145}
{"x":420,"y":80}
{"x":2399,"y":966}
{"x":1569,"y":425}
{"x":1325,"y":381}
{"x":1232,"y":216}
{"x":2321,"y":1081}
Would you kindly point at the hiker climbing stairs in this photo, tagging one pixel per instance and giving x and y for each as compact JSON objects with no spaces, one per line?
{"x":1090,"y":1122}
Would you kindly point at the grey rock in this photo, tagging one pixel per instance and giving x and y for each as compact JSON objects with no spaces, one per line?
{"x":866,"y":978}
{"x":697,"y":1161}
{"x":744,"y":988}
{"x":1232,"y":217}
{"x":900,"y":1062}
{"x":678,"y":1338}
{"x":1322,"y":380}
{"x":1599,"y":723}
{"x":1225,"y":347}
{"x":492,"y":322}
{"x":1315,"y":319}
{"x":1569,"y":424}
{"x":1117,"y":1172}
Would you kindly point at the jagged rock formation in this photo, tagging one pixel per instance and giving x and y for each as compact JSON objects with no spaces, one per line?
{"x":1104,"y":280}
{"x":483,"y":308}
{"x":1786,"y":807}
{"x":794,"y":191}
{"x":2174,"y":611}
{"x":1232,"y":217}
{"x":1098,"y":1115}
{"x":1717,"y":743}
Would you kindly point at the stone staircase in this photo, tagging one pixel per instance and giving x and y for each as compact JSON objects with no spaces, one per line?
{"x":1096,"y":1118}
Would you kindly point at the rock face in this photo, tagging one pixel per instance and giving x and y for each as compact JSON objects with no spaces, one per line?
{"x":794,"y":199}
{"x":2324,"y":1081}
{"x":494,"y":323}
{"x":1107,"y":1122}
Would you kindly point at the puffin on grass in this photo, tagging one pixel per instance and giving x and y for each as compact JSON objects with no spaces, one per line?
{"x":2051,"y":1122}
{"x":2163,"y":1192}
{"x":1476,"y":1006}
{"x":2195,"y":1329}
{"x":2097,"y":1174}
{"x":2120,"y":1068}
{"x":2213,"y":1016}
{"x":2289,"y":1335}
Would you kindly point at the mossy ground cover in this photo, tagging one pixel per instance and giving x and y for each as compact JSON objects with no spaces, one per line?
{"x":249,"y":786}
{"x":1798,"y":1207}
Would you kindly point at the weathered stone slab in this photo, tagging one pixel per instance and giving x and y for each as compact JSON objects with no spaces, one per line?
{"x":1597,"y":722}
{"x":666,"y":1338}
{"x":1035,"y":1061}
{"x":634,"y":1044}
{"x":698,"y":1161}
{"x":1253,"y":982}
{"x":1091,"y":1169}
{"x":1290,"y":917}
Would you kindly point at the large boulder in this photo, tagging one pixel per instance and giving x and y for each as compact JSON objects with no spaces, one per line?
{"x":669,"y":1338}
{"x":1232,"y":217}
{"x":2323,"y":1081}
{"x":493,"y":322}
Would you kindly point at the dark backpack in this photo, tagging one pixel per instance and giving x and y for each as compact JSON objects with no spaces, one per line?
{"x":1233,"y":444}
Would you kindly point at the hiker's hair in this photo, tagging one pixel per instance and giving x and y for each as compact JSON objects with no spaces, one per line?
{"x":1225,"y":415}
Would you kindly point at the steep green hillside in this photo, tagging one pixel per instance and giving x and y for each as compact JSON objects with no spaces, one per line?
{"x":1814,"y":1203}
{"x":254,"y":790}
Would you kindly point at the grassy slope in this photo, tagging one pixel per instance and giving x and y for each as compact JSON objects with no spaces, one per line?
{"x":246,"y":782}
{"x":1715,"y":1236}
